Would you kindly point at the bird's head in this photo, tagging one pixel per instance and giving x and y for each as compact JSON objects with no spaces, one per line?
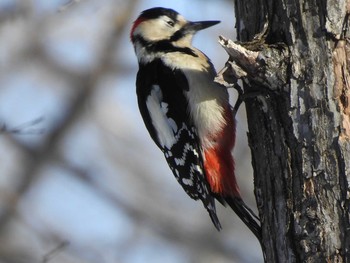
{"x":166,"y":26}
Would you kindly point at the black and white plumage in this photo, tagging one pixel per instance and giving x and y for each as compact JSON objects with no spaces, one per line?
{"x":187,"y":115}
{"x":164,"y":108}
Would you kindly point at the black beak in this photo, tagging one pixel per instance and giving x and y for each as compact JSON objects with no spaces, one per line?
{"x":192,"y":27}
{"x":196,"y":26}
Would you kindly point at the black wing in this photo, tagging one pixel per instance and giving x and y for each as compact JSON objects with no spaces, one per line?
{"x":181,"y":145}
{"x":172,"y":85}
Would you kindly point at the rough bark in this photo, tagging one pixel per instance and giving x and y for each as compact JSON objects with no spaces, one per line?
{"x":299,"y":123}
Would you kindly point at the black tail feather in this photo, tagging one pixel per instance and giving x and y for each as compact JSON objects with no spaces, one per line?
{"x":214,"y":219}
{"x":248,"y":217}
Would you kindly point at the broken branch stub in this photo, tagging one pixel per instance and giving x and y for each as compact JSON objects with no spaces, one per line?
{"x":267,"y":67}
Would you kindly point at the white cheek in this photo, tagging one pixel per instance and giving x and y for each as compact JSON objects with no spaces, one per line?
{"x":154,"y":30}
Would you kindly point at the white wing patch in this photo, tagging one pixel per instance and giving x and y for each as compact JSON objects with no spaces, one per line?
{"x":165,"y":127}
{"x":171,"y":122}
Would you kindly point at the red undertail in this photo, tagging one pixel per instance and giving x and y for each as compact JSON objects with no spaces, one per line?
{"x":219,"y":164}
{"x":219,"y":168}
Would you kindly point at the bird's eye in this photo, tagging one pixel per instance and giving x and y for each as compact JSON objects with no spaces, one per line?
{"x":170,"y":23}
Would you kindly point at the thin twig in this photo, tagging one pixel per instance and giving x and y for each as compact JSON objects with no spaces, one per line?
{"x":52,"y":253}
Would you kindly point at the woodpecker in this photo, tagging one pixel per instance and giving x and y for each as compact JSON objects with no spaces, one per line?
{"x":186,"y":113}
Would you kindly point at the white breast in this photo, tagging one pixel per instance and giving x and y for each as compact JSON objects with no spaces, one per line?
{"x":206,"y":98}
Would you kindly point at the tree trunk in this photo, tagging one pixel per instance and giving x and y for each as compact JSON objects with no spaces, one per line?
{"x":299,"y":123}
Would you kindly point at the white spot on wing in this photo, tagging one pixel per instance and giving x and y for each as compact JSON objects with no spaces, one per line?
{"x":171,"y":122}
{"x":165,"y":131}
{"x":187,"y":181}
{"x":181,"y":161}
{"x":164,"y":107}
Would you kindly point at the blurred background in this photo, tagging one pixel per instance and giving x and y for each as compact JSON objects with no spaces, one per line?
{"x":80,"y":178}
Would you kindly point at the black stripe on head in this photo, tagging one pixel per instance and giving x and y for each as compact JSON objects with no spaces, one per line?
{"x":159,"y":11}
{"x":164,"y":46}
{"x":178,"y":35}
